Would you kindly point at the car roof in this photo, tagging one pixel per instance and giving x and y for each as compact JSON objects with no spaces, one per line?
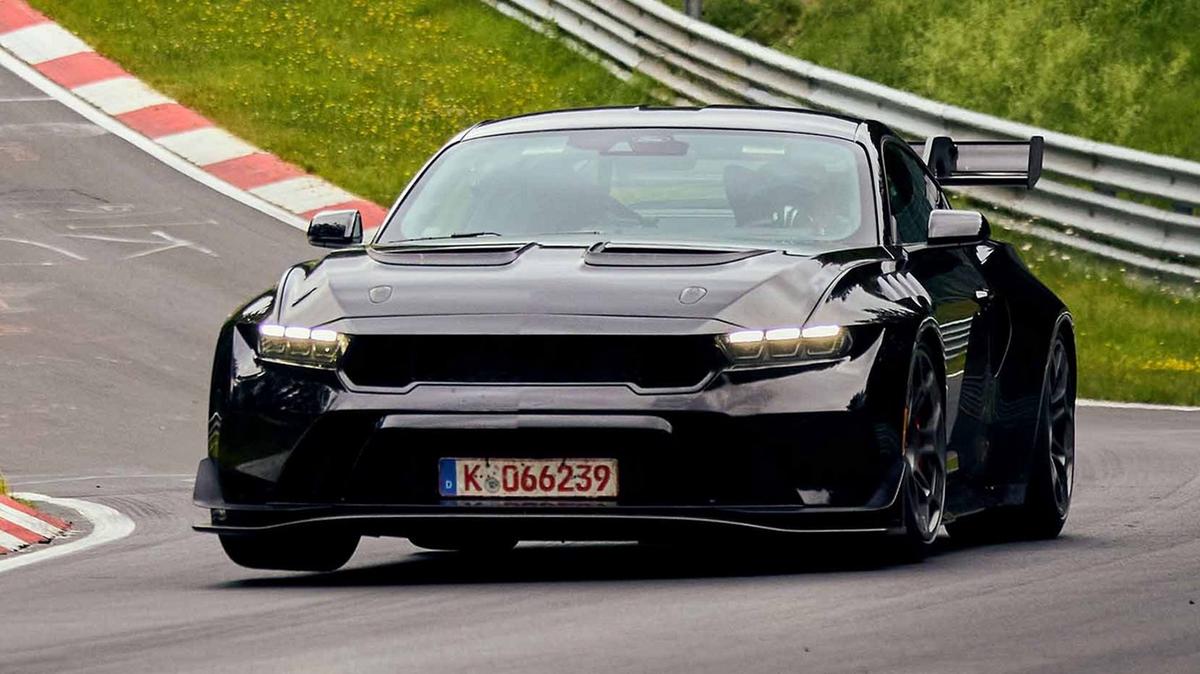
{"x":795,"y":120}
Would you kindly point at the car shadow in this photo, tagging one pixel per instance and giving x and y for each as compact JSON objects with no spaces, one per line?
{"x":549,"y":563}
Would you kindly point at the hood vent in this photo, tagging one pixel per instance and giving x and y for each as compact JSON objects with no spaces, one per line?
{"x":473,"y":255}
{"x":659,"y":255}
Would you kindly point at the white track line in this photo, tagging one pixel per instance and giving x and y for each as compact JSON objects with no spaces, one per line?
{"x":43,"y":478}
{"x":1084,"y":402}
{"x":108,"y":525}
{"x":94,"y":115}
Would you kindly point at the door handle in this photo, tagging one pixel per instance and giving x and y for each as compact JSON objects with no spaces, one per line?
{"x":984,"y":296}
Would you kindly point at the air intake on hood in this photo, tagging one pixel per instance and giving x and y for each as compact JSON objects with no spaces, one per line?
{"x":470,"y":255}
{"x":646,"y":362}
{"x":659,"y":255}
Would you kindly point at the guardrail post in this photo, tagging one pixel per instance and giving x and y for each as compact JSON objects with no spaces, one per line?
{"x":692,"y":8}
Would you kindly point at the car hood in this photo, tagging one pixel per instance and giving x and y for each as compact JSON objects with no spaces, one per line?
{"x":534,"y":288}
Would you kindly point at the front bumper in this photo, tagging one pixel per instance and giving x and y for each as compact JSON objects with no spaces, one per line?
{"x":541,"y":520}
{"x":809,"y":449}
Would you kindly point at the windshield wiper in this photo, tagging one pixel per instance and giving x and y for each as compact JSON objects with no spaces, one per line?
{"x":461,"y":235}
{"x":472,"y":235}
{"x":456,"y":235}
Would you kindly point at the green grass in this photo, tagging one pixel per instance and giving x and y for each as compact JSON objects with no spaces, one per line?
{"x":3,"y":486}
{"x":1120,"y":71}
{"x":1138,"y":336}
{"x":358,"y":91}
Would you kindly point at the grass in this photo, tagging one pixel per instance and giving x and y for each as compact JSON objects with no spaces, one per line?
{"x":1120,"y":71}
{"x":1138,"y":336}
{"x":362,"y":92}
{"x":358,"y":91}
{"x":3,"y":486}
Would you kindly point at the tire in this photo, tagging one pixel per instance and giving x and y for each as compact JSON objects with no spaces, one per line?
{"x":924,"y":442}
{"x":291,"y":551}
{"x":472,"y":546}
{"x":1050,"y":484}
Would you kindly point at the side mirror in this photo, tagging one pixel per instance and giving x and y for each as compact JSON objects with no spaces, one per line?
{"x":946,"y":227}
{"x":335,"y":229}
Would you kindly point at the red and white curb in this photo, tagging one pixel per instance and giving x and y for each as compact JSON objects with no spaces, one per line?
{"x":70,"y":63}
{"x":22,"y":526}
{"x":107,"y":525}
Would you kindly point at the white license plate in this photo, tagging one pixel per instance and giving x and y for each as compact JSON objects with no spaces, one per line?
{"x":528,"y":478}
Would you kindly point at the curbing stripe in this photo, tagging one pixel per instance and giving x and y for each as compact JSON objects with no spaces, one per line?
{"x":152,"y":149}
{"x":237,"y":169}
{"x":10,"y":543}
{"x":21,"y":526}
{"x":42,"y":42}
{"x":14,"y":15}
{"x":254,"y":170}
{"x":20,"y":533}
{"x":302,"y":194}
{"x":120,"y":95}
{"x":82,"y":68}
{"x":28,"y":522}
{"x":21,"y":507}
{"x":162,"y":120}
{"x":206,"y":146}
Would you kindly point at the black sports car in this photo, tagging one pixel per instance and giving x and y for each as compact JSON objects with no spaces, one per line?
{"x":646,"y":323}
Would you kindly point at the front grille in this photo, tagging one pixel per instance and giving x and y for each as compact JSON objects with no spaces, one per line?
{"x":649,"y":362}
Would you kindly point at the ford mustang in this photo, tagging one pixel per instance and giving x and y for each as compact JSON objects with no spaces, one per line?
{"x":650,"y":324}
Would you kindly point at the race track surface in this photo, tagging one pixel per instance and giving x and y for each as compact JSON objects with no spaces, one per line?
{"x":115,"y":273}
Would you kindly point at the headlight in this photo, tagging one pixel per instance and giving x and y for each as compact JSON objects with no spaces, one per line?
{"x":780,"y":346}
{"x":301,"y":346}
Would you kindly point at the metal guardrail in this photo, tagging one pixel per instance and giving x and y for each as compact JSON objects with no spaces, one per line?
{"x":703,"y":64}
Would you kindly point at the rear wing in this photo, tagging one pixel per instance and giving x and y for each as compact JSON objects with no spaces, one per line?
{"x":990,"y":162}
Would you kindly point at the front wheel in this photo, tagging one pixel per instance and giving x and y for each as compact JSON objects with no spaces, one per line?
{"x":924,"y":443}
{"x":290,"y":551}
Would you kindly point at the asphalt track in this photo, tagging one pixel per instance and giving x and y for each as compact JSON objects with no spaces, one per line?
{"x":115,"y":272}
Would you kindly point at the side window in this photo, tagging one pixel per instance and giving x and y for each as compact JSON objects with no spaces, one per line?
{"x":911,"y":194}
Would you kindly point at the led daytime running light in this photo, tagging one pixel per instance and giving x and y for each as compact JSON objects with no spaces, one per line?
{"x":305,"y":347}
{"x":766,"y":347}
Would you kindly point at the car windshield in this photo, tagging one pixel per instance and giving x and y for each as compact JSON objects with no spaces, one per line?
{"x":744,"y":188}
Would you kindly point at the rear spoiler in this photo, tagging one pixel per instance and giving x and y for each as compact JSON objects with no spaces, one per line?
{"x":990,"y":162}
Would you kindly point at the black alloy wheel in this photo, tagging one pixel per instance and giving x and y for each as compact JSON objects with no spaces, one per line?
{"x":1058,"y":421}
{"x":924,"y":442}
{"x":1051,"y":479}
{"x":1052,"y":468}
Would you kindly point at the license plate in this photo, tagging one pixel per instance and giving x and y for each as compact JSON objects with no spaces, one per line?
{"x":528,"y":478}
